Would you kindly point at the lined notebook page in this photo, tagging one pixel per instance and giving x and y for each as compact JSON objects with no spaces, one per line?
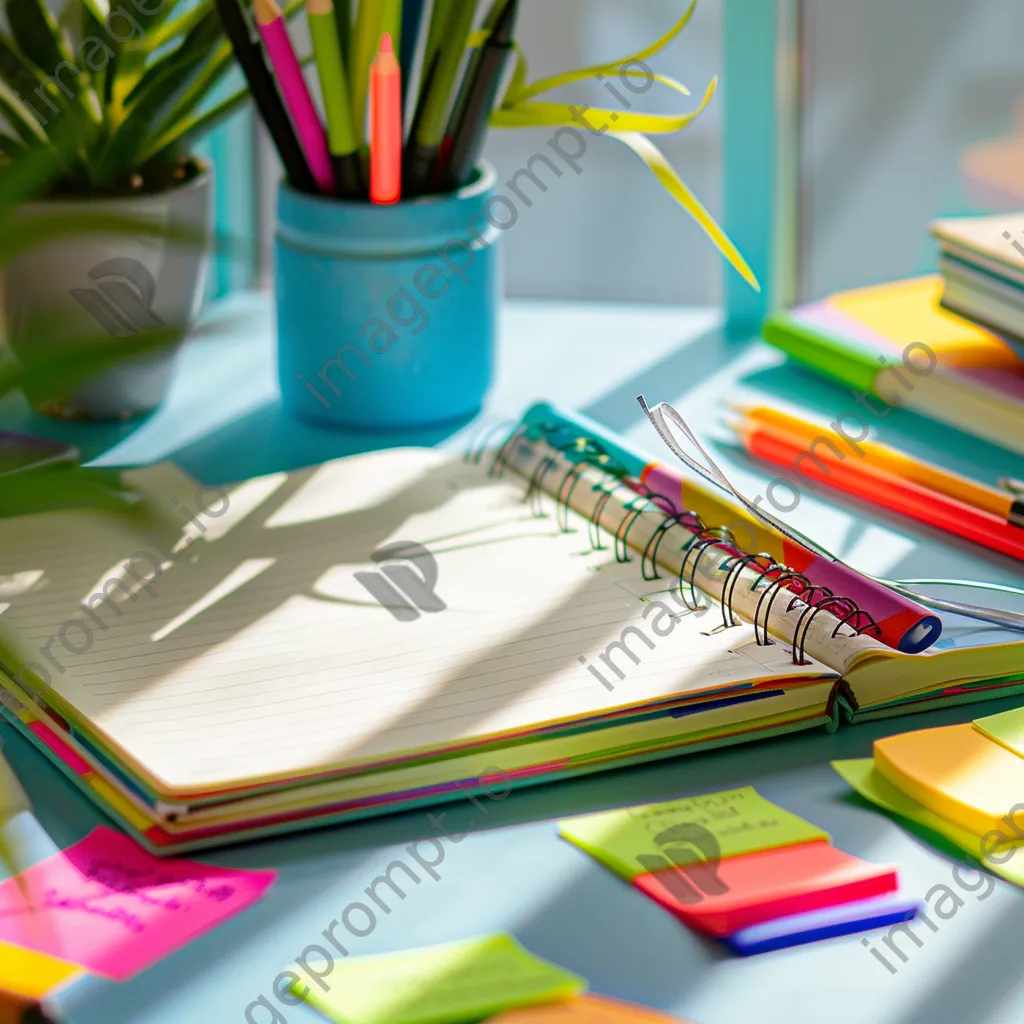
{"x":261,"y":655}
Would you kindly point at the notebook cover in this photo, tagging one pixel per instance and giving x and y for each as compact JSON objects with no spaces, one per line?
{"x":742,"y":891}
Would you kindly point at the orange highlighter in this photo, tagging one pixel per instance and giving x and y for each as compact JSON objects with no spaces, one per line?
{"x":385,"y":125}
{"x":863,"y":479}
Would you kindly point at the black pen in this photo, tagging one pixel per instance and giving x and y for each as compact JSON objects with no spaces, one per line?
{"x":265,"y":95}
{"x":467,"y":129}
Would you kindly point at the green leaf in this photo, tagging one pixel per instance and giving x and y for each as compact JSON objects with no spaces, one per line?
{"x":212,"y":73}
{"x":64,"y":92}
{"x":19,"y":117}
{"x":36,"y":100}
{"x":99,"y":9}
{"x":127,"y":65}
{"x":157,"y":94}
{"x":187,"y":132}
{"x":21,"y":75}
{"x":132,"y":59}
{"x":26,"y":178}
{"x":192,"y":50}
{"x":11,"y":148}
{"x":37,"y":34}
{"x":180,"y":26}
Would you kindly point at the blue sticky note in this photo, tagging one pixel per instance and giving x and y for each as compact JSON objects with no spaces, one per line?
{"x":845,"y":919}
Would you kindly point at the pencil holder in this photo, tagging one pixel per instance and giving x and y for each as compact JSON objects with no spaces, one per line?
{"x":387,"y":315}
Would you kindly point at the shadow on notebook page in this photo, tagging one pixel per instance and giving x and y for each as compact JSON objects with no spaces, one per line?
{"x":209,"y":645}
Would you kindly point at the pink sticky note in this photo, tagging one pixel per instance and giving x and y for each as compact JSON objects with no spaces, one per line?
{"x":108,"y":905}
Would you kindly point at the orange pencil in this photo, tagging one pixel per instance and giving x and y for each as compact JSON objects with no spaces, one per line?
{"x":385,"y":125}
{"x":1000,"y":503}
{"x":862,"y":480}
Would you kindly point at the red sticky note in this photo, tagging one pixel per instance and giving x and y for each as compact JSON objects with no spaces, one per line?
{"x":741,"y":891}
{"x":115,"y":909}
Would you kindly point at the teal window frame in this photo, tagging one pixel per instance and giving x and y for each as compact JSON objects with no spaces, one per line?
{"x":761,"y":91}
{"x":231,"y":151}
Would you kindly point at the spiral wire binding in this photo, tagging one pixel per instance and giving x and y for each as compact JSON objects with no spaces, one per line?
{"x":585,"y":452}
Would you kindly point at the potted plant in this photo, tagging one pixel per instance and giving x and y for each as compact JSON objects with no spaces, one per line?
{"x":115,"y":98}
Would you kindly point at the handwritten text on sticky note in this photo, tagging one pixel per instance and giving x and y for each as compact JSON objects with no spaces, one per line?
{"x":108,"y":905}
{"x":637,"y":840}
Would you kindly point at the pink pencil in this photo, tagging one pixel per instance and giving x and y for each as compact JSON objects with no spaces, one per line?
{"x":308,"y":125}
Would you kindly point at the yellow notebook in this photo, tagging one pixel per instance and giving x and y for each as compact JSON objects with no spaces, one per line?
{"x":905,"y":312}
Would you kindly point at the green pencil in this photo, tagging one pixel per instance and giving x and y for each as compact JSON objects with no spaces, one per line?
{"x":450,"y":25}
{"x":330,"y":64}
{"x":343,"y":18}
{"x":365,"y":39}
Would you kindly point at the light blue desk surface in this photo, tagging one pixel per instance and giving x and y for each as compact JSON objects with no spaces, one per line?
{"x":223,"y":422}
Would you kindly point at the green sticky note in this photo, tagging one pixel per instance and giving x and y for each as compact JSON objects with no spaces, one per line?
{"x":1004,"y":858}
{"x":456,"y":981}
{"x":637,"y":840}
{"x":1006,"y":728}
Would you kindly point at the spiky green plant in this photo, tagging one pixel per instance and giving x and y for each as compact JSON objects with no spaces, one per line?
{"x":118,"y":92}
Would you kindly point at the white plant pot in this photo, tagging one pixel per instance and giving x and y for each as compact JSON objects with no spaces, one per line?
{"x":83,"y":288}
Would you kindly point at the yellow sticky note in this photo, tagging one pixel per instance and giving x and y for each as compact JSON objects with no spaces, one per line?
{"x":31,"y":975}
{"x":957,"y":772}
{"x":445,"y":984}
{"x":1005,"y":859}
{"x":634,"y":841}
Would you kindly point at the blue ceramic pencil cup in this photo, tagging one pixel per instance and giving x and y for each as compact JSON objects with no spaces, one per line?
{"x":387,"y":315}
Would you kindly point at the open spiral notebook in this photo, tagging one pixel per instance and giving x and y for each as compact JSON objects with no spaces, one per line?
{"x":273,"y":675}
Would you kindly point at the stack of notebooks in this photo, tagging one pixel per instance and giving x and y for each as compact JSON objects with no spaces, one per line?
{"x":259,"y":678}
{"x":982,"y":265}
{"x":960,"y":782}
{"x":899,"y":343}
{"x":736,"y":867}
